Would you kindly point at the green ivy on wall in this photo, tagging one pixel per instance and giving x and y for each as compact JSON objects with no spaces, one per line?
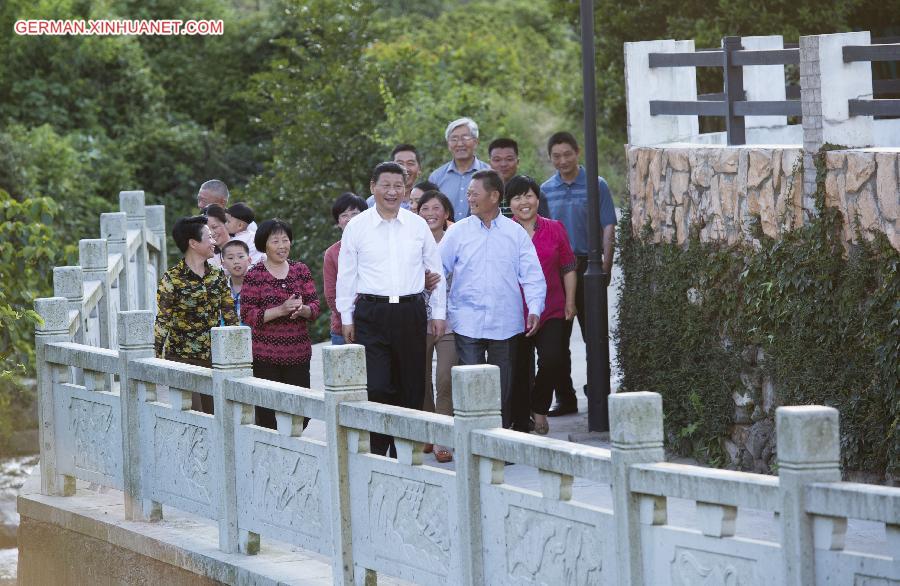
{"x":827,"y":321}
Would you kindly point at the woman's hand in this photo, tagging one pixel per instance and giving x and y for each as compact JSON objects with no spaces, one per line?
{"x":290,"y":306}
{"x":571,"y":311}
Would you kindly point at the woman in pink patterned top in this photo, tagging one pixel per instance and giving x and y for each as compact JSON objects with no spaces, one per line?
{"x":551,"y":241}
{"x":345,"y":207}
{"x":278,"y":299}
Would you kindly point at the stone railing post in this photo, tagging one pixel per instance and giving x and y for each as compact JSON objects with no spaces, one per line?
{"x":114,"y":228}
{"x":344,"y":373}
{"x":54,"y":312}
{"x":476,"y":405}
{"x":156,"y":223}
{"x":93,"y":257}
{"x":644,"y":83}
{"x":826,"y":83}
{"x":68,"y":282}
{"x":636,"y":437}
{"x":135,"y":334}
{"x":232,"y":357}
{"x":132,"y":203}
{"x":808,"y":451}
{"x":764,"y":82}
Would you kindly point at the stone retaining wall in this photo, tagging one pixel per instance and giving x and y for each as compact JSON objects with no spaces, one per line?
{"x":724,"y":191}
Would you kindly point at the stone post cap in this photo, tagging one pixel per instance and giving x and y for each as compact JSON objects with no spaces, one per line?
{"x":636,"y":419}
{"x":476,"y":389}
{"x":808,"y":434}
{"x":132,"y":203}
{"x":68,"y":282}
{"x":135,"y":329}
{"x":114,"y":226}
{"x":92,"y":254}
{"x":55,"y":313}
{"x":344,"y":367}
{"x":156,"y":217}
{"x":231,"y":347}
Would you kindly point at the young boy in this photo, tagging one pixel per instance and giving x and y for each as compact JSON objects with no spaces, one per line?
{"x":236,"y":261}
{"x":238,"y":220}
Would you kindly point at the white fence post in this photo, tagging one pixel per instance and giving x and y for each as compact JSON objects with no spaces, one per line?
{"x":636,"y":437}
{"x":114,"y":228}
{"x":54,"y":311}
{"x":68,"y":282}
{"x":132,"y":203}
{"x":643,"y":83}
{"x":344,"y":374}
{"x":93,"y":257}
{"x":135,"y":334}
{"x":156,"y":223}
{"x":232,"y":357}
{"x":476,"y":405}
{"x":808,"y":451}
{"x":764,"y":82}
{"x":826,"y":83}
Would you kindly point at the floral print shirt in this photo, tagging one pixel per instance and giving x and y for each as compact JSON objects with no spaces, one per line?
{"x":188,"y":306}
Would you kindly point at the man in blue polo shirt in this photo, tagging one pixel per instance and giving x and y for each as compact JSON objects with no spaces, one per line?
{"x":453,"y":178}
{"x":566,"y":196}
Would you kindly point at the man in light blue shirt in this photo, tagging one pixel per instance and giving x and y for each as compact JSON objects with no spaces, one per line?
{"x":490,"y":257}
{"x":453,"y":178}
{"x":566,"y":195}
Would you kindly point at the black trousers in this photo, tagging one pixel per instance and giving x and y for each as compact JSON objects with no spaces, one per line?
{"x":551,"y":343}
{"x":500,"y":353}
{"x":294,"y":374}
{"x":199,"y":402}
{"x":565,"y":391}
{"x":394,"y":337}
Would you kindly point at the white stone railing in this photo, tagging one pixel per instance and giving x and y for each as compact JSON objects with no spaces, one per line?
{"x":117,"y":271}
{"x":374,"y":515}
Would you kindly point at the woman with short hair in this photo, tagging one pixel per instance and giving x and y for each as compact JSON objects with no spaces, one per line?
{"x":278,"y":300}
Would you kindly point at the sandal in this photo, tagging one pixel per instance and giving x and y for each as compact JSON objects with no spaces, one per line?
{"x":541,"y":427}
{"x":442,"y":454}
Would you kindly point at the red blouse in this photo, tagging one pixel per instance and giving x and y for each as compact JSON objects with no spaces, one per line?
{"x":551,"y":240}
{"x":329,"y":274}
{"x":282,"y":341}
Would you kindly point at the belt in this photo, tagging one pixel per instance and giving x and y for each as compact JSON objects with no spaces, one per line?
{"x":390,"y":299}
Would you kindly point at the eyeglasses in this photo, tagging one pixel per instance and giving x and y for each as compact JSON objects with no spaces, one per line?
{"x":459,"y":139}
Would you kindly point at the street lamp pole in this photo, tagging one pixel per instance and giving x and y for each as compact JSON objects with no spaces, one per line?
{"x":594,"y":280}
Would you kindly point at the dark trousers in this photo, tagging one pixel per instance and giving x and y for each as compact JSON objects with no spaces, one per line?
{"x":199,"y":402}
{"x":565,"y":391}
{"x":551,"y":343}
{"x":394,"y":337}
{"x":294,"y":374}
{"x":500,"y":353}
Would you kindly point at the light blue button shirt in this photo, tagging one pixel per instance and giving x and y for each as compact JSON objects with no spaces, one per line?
{"x":488,"y":265}
{"x":454,"y":184}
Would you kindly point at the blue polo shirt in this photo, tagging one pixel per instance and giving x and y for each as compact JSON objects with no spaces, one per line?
{"x":454,"y":184}
{"x":568,"y":203}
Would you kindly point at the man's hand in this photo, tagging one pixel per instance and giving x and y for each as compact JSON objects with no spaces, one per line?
{"x":437,"y":327}
{"x":571,"y":311}
{"x":349,"y":333}
{"x":532,"y":324}
{"x":431,"y":280}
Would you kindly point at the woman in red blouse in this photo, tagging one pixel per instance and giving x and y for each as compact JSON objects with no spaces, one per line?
{"x":278,"y":299}
{"x":551,"y":341}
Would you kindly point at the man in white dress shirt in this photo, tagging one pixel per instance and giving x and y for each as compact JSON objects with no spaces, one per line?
{"x":385,"y":252}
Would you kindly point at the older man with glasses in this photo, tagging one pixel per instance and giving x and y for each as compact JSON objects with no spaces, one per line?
{"x":453,"y":178}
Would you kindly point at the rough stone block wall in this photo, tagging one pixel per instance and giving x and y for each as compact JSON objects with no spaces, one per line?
{"x":723,"y":191}
{"x":719,"y":190}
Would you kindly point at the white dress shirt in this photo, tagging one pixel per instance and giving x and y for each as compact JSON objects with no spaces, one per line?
{"x":389,"y":258}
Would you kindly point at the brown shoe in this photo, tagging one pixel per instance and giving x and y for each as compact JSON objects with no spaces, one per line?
{"x":442,"y":454}
{"x":428,"y":448}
